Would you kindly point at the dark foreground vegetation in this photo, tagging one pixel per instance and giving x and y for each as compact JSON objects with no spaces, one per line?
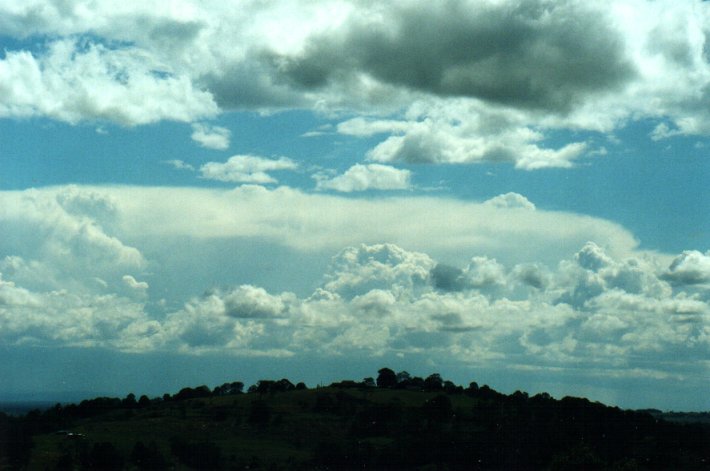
{"x":395,"y":421}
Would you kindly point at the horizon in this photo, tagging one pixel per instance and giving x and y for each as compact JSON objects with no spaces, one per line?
{"x":515,"y":192}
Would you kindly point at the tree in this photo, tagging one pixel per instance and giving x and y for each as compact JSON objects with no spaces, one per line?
{"x":403,"y":377}
{"x":144,"y":401}
{"x":386,"y":378}
{"x":433,"y":382}
{"x":129,"y":401}
{"x":283,"y":385}
{"x":229,"y":389}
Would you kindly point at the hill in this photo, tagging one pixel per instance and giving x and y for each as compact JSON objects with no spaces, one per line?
{"x":397,"y":422}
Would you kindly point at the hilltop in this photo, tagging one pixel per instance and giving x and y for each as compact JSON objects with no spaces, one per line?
{"x":394,"y":422}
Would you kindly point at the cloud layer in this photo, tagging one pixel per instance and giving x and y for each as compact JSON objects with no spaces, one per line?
{"x":600,"y":315}
{"x":461,"y":82}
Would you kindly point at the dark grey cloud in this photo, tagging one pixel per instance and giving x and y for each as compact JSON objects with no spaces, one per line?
{"x":251,"y":83}
{"x":532,"y":275}
{"x":448,"y":278}
{"x":536,"y":54}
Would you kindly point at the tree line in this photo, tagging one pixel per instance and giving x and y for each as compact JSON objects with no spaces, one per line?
{"x":392,"y":421}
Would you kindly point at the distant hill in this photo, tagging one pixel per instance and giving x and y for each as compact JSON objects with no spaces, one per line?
{"x":393,"y":422}
{"x":17,"y":408}
{"x":680,"y":417}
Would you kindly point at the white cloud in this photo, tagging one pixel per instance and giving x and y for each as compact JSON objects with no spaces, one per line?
{"x":358,"y":270}
{"x":602,"y":308}
{"x":527,"y":69}
{"x":368,"y":177}
{"x":51,"y":318}
{"x":253,"y":302}
{"x":65,"y":233}
{"x":211,"y":137}
{"x":246,"y":169}
{"x":378,"y":299}
{"x":74,"y":82}
{"x":690,"y":267}
{"x":510,"y":200}
{"x":459,"y":132}
{"x":318,"y":223}
{"x":132,"y":283}
{"x":69,"y":238}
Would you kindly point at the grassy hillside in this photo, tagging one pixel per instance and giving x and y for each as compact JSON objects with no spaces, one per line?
{"x":398,"y":425}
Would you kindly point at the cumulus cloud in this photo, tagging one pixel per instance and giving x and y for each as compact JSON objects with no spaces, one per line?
{"x":603,"y":308}
{"x":461,"y":132}
{"x":252,"y":302}
{"x":61,"y":318}
{"x":66,"y":233}
{"x":358,"y":270}
{"x":527,"y":69}
{"x":690,"y":267}
{"x":603,"y":302}
{"x":510,"y":200}
{"x":367,"y":177}
{"x":211,"y":137}
{"x":246,"y":169}
{"x":382,"y":298}
{"x":77,"y":81}
{"x":500,"y":52}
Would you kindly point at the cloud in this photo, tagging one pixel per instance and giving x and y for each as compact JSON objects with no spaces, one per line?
{"x":65,"y":234}
{"x":318,"y":223}
{"x":381,"y":298}
{"x":253,"y":302}
{"x":367,"y":177}
{"x":246,"y":169}
{"x":690,"y":267}
{"x":211,"y":137}
{"x":462,"y":132}
{"x":462,"y":82}
{"x":179,"y":164}
{"x":61,"y":318}
{"x":358,"y":270}
{"x":132,"y":283}
{"x":76,"y":81}
{"x":592,"y":257}
{"x":536,"y":54}
{"x":600,"y":309}
{"x":602,"y":300}
{"x":510,"y":200}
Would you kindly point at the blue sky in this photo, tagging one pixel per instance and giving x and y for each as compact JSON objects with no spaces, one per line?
{"x":508,"y":193}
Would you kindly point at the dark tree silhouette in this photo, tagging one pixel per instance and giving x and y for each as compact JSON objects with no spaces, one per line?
{"x":386,"y":378}
{"x":229,"y":389}
{"x":433,"y":382}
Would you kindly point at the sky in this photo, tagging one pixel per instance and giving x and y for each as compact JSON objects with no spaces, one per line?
{"x":508,"y":192}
